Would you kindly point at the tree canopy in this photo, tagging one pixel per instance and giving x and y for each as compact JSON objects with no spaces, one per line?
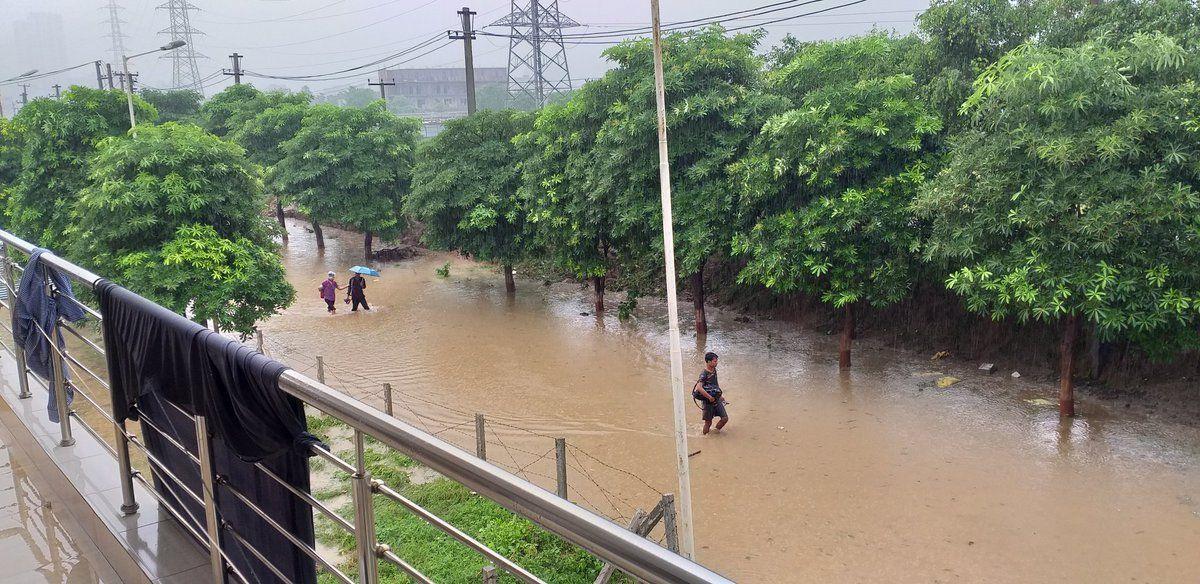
{"x":350,"y":166}
{"x":465,"y":187}
{"x":174,"y":105}
{"x":176,"y":214}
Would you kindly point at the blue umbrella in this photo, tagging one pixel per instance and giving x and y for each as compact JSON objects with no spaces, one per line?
{"x":365,"y":271}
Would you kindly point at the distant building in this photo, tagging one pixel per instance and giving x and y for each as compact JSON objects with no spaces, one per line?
{"x":39,"y":41}
{"x":439,"y":90}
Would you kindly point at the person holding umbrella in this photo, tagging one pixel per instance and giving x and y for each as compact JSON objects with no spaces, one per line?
{"x":358,"y":286}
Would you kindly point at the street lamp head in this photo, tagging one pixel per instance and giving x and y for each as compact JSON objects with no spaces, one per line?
{"x":172,"y":45}
{"x":28,"y":73}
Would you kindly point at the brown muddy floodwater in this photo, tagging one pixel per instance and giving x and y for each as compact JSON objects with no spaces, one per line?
{"x":877,"y":476}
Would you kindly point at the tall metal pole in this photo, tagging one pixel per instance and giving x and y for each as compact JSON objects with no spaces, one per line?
{"x":108,"y":68}
{"x":466,"y":36}
{"x":535,"y":20}
{"x":99,"y":77}
{"x":127,"y":83}
{"x":686,"y":542}
{"x":18,"y":352}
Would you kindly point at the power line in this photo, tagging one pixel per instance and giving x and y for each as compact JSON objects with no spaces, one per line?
{"x":315,"y":76}
{"x":351,"y":76}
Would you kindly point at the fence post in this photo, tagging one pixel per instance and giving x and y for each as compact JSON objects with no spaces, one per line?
{"x":387,"y":398}
{"x":208,"y":482}
{"x":607,"y":570}
{"x":129,"y":504}
{"x":489,"y":575}
{"x":364,"y":516}
{"x":560,"y":457}
{"x":670,"y":525}
{"x":18,"y":352}
{"x":258,"y":340}
{"x":480,"y":438}
{"x":58,"y":377}
{"x":321,"y":369}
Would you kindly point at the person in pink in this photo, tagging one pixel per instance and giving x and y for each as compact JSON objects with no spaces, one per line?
{"x":328,"y":292}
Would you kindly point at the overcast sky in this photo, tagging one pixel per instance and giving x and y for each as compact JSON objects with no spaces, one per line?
{"x":300,"y":37}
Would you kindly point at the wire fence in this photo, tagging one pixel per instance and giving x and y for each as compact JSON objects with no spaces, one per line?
{"x":592,"y":488}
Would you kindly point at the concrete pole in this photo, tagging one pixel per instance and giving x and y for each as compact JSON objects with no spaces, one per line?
{"x":468,"y":33}
{"x":686,"y":542}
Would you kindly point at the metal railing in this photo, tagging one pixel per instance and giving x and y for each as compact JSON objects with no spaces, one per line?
{"x":608,"y":541}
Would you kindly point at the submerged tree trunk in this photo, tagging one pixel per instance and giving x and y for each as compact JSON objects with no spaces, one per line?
{"x":698,"y":302}
{"x":1066,"y":367}
{"x":510,"y":284}
{"x":280,"y":217}
{"x":847,"y":337}
{"x":368,"y":238}
{"x":598,"y":288}
{"x":320,"y":236}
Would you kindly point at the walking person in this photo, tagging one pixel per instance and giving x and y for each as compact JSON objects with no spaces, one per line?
{"x":708,"y":390}
{"x":357,"y":288}
{"x":328,"y":292}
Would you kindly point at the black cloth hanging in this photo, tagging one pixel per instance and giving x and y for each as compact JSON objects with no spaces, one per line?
{"x":166,"y":368}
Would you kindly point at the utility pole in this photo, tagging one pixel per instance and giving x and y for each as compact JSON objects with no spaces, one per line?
{"x":99,"y":77}
{"x":237,"y":68}
{"x":24,"y":94}
{"x":687,"y":542}
{"x":57,"y":91}
{"x":466,"y":36}
{"x":382,"y":86}
{"x":132,"y":81}
{"x":109,"y":76}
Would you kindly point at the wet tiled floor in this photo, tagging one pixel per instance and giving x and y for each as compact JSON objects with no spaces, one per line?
{"x":35,"y":545}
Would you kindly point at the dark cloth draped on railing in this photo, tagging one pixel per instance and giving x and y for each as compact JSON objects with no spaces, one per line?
{"x":156,"y":356}
{"x":34,"y":314}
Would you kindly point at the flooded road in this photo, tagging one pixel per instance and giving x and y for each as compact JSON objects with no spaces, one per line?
{"x":875,"y":476}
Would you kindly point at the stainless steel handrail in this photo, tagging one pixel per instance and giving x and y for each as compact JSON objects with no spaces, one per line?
{"x":613,"y":543}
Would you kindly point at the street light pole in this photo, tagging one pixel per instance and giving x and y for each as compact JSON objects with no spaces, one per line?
{"x":127,"y":82}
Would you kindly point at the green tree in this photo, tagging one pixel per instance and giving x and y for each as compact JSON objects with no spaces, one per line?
{"x":1068,"y":23}
{"x":962,"y":37}
{"x":465,"y":188}
{"x":716,"y":106}
{"x":174,"y":105}
{"x":835,"y":177}
{"x":1071,"y":197}
{"x":350,"y":97}
{"x":57,"y":138}
{"x":568,"y":216}
{"x":350,"y":166}
{"x":263,"y":137}
{"x":231,"y":109}
{"x":10,"y":157}
{"x":176,"y":214}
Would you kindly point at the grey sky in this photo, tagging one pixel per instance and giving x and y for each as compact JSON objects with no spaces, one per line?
{"x":277,"y":38}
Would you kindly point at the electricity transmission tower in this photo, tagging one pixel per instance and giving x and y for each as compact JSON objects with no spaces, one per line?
{"x":185,"y":73}
{"x":537,"y":58}
{"x":114,"y":30}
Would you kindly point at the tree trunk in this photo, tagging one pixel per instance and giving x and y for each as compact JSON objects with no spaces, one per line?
{"x":1095,"y":363}
{"x":698,"y":302}
{"x":279,"y":215}
{"x":510,"y":284}
{"x":1066,"y":383}
{"x":320,"y":236}
{"x":598,"y":287}
{"x":847,"y":336}
{"x":367,"y":240}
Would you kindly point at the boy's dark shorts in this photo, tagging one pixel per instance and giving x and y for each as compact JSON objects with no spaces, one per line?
{"x":331,"y":305}
{"x":717,"y":409}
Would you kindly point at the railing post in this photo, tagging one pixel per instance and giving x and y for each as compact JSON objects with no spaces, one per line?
{"x":208,"y":482}
{"x":560,"y":457}
{"x":58,"y":378}
{"x":670,"y":525}
{"x":387,"y":399}
{"x":489,"y":575}
{"x":321,"y":369}
{"x":11,"y":286}
{"x":364,"y":516}
{"x":480,"y":438}
{"x":129,"y":504}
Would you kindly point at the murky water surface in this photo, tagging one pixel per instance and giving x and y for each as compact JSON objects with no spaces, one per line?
{"x":877,"y":476}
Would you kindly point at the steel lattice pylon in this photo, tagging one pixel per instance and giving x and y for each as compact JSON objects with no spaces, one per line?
{"x":114,"y":30}
{"x":537,"y":58}
{"x":185,"y":73}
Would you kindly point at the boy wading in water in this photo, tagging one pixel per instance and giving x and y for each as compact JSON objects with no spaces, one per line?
{"x":709,"y":391}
